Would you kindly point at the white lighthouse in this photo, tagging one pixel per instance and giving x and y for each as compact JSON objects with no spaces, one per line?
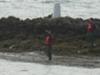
{"x":57,"y":10}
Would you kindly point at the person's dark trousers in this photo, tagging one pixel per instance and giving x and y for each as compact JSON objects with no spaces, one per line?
{"x":49,"y":53}
{"x":91,"y":38}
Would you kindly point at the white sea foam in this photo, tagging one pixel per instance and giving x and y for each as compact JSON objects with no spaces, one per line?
{"x":22,"y":68}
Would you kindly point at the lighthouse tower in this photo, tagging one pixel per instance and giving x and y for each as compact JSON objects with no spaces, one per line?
{"x":57,"y":10}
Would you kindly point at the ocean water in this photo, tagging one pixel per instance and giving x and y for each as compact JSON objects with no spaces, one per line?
{"x":39,"y":8}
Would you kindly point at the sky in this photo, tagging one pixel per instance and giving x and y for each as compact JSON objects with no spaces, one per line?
{"x":40,"y":8}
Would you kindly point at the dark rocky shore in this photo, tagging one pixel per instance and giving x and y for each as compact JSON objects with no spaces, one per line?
{"x":13,"y":27}
{"x":18,"y":35}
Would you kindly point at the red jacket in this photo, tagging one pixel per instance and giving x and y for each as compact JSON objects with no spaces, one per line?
{"x":48,"y":40}
{"x":90,"y":27}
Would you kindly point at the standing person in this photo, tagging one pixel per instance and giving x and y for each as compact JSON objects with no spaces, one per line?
{"x":91,"y":32}
{"x":49,"y":42}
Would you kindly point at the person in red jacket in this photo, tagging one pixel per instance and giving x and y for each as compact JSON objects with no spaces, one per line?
{"x":90,"y":30}
{"x":90,"y":25}
{"x":48,"y":40}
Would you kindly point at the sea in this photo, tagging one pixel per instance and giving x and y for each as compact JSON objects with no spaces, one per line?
{"x":39,"y":8}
